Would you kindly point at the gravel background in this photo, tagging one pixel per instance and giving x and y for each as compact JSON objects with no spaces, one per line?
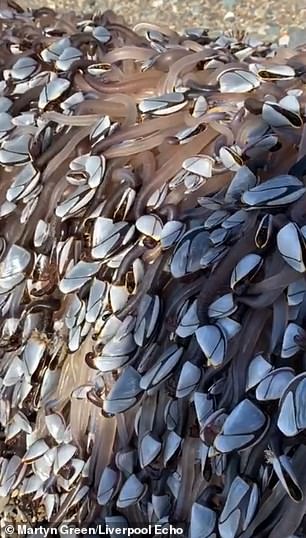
{"x":269,"y":18}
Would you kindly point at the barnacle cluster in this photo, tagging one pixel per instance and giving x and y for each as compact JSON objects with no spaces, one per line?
{"x":152,"y":276}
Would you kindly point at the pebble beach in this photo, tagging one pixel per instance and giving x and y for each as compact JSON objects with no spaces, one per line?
{"x":269,"y":19}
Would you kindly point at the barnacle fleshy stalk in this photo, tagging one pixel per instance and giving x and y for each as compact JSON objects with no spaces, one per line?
{"x":152,"y":276}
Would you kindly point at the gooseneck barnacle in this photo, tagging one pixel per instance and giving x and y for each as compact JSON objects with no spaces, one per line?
{"x":152,"y":276}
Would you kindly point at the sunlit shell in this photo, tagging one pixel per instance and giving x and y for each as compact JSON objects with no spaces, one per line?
{"x":285,"y":113}
{"x":239,"y":508}
{"x":222,"y":307}
{"x":200,"y":165}
{"x":171,"y":233}
{"x":78,"y":275}
{"x":67,"y":58}
{"x":212,"y":341}
{"x":243,"y":428}
{"x":291,"y":246}
{"x":163,"y":104}
{"x":89,"y":169}
{"x":15,"y":151}
{"x":245,"y":269}
{"x":53,"y":91}
{"x":150,"y":225}
{"x":187,"y":255}
{"x":230,"y":157}
{"x":291,"y":419}
{"x":23,"y":68}
{"x":101,"y":34}
{"x":278,"y":191}
{"x":258,"y":369}
{"x":55,"y":49}
{"x":238,"y":81}
{"x":273,"y":72}
{"x":24,"y":183}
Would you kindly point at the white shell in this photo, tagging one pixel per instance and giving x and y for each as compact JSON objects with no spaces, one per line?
{"x":150,"y":225}
{"x":201,"y":165}
{"x":290,"y":247}
{"x":212,"y":341}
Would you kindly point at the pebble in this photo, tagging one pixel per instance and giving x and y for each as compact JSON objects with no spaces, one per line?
{"x":229,"y":17}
